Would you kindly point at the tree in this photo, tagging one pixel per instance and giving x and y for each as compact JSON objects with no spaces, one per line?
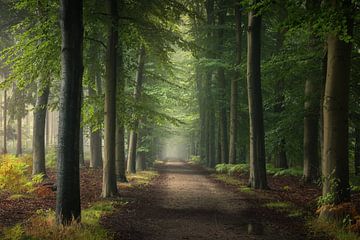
{"x":109,"y":187}
{"x":43,"y":91}
{"x":120,"y":129}
{"x":257,"y":144}
{"x":5,"y":123}
{"x":335,"y":162}
{"x":68,"y":177}
{"x":223,"y":130}
{"x":131,"y":161}
{"x":311,"y":111}
{"x":234,"y":88}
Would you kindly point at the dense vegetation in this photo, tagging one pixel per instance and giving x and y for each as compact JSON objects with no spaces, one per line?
{"x":241,"y":86}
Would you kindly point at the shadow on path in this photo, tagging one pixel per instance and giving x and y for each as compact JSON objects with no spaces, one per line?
{"x":184,"y":203}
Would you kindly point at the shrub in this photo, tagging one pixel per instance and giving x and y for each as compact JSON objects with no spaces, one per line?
{"x":15,"y":175}
{"x":232,"y":169}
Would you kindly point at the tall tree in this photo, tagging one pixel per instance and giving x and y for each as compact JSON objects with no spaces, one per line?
{"x":131,"y":161}
{"x":5,"y":123}
{"x":109,"y":187}
{"x":19,"y":136}
{"x":311,"y":112}
{"x":68,"y":177}
{"x":222,"y":84}
{"x":42,"y":98}
{"x":335,"y":162}
{"x":120,"y":129}
{"x":257,"y":144}
{"x":234,"y":88}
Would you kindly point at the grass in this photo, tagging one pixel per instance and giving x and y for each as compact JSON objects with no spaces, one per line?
{"x":233,"y":181}
{"x":285,"y":207}
{"x":43,"y":226}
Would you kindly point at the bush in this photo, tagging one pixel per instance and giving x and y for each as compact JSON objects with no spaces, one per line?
{"x":15,"y":175}
{"x":232,"y":169}
{"x":195,"y":159}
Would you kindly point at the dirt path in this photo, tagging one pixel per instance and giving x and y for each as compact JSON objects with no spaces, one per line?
{"x":185,"y":203}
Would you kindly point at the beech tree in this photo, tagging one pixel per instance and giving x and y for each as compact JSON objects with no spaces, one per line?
{"x":257,"y":145}
{"x":109,"y":187}
{"x":131,"y":161}
{"x":335,"y":162}
{"x":68,"y":179}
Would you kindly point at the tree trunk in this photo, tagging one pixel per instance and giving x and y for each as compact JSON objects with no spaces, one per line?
{"x":131,"y":164}
{"x":311,"y":120}
{"x":311,"y":113}
{"x":120,"y":152}
{"x":39,"y":128}
{"x":81,"y":148}
{"x":109,"y":187}
{"x":19,"y":137}
{"x":95,"y":134}
{"x":5,"y":123}
{"x":234,"y":89}
{"x":357,"y":152}
{"x":120,"y":130}
{"x":257,"y":146}
{"x":81,"y":137}
{"x":224,"y":141}
{"x":335,"y":168}
{"x":68,"y":178}
{"x":280,"y":151}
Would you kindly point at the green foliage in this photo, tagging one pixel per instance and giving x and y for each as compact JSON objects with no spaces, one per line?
{"x":285,"y":207}
{"x":15,"y":175}
{"x":232,"y":169}
{"x":195,"y":159}
{"x":13,"y":233}
{"x":43,"y":225}
{"x":51,"y":157}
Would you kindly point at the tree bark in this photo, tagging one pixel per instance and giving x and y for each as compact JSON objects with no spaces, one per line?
{"x":311,"y":120}
{"x":280,"y":151}
{"x":81,"y":137}
{"x":120,"y":153}
{"x":68,"y":178}
{"x":224,"y":141}
{"x":335,"y":168}
{"x":5,"y":123}
{"x":357,"y":152}
{"x":120,"y":130}
{"x":311,"y":113}
{"x":234,"y":89}
{"x":39,"y":128}
{"x":19,"y":137}
{"x":109,"y":187}
{"x":257,"y":146}
{"x":131,"y":161}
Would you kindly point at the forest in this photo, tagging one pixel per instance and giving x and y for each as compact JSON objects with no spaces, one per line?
{"x":180,"y":119}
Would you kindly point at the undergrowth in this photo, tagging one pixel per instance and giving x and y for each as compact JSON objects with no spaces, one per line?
{"x":15,"y":175}
{"x":285,"y":207}
{"x":43,"y":225}
{"x":335,"y":230}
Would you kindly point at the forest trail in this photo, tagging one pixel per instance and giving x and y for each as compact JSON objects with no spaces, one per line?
{"x":185,"y":203}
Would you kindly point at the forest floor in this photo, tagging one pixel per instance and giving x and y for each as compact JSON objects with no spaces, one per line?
{"x":18,"y":208}
{"x":187,"y":202}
